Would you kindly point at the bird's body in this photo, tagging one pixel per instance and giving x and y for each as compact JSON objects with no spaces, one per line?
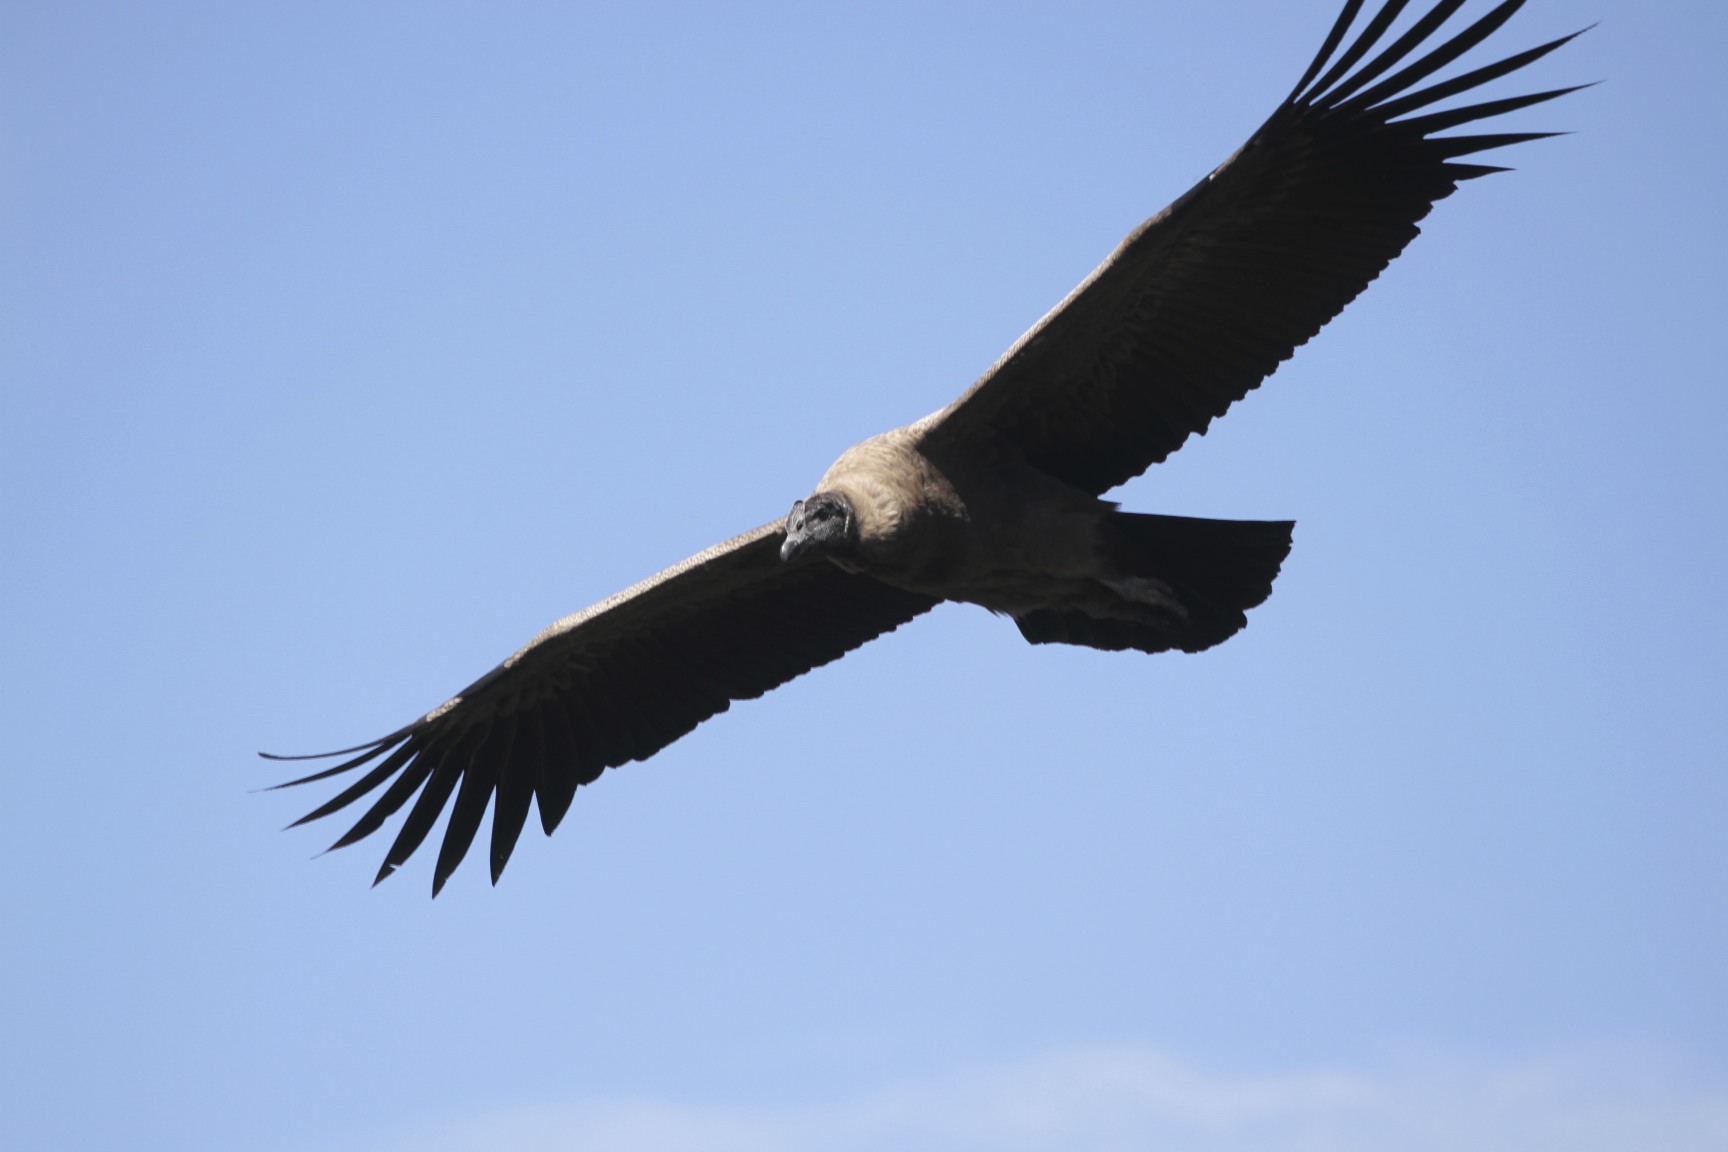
{"x":984,"y":532}
{"x":989,"y":529}
{"x":996,"y":499}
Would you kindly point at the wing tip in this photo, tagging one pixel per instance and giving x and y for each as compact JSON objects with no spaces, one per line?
{"x":370,"y":744}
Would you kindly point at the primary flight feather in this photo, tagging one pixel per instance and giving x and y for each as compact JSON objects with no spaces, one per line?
{"x":994,"y":500}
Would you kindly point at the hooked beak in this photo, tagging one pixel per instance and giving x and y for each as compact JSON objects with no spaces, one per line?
{"x":797,"y":540}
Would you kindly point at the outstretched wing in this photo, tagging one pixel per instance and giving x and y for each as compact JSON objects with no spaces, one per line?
{"x":613,"y":683}
{"x":1203,"y":301}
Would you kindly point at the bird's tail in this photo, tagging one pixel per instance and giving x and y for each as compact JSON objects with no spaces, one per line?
{"x":1184,"y":583}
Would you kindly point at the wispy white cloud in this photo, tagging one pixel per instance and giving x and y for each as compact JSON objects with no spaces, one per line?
{"x":1120,"y":1099}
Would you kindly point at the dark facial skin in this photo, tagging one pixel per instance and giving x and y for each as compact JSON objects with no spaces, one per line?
{"x":824,"y":523}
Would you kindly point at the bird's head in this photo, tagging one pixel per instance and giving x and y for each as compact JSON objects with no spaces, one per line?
{"x":824,"y":523}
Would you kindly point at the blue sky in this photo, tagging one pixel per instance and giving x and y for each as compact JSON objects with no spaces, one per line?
{"x":345,"y":346}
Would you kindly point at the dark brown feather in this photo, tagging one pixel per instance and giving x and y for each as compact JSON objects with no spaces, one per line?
{"x":1203,"y":301}
{"x":616,"y":682}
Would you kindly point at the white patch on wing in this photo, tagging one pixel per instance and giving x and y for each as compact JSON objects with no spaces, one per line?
{"x":1145,"y":590}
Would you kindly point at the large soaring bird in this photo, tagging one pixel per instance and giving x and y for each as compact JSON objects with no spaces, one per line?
{"x":995,"y":499}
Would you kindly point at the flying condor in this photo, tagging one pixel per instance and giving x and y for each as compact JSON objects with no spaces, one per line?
{"x":995,"y":499}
